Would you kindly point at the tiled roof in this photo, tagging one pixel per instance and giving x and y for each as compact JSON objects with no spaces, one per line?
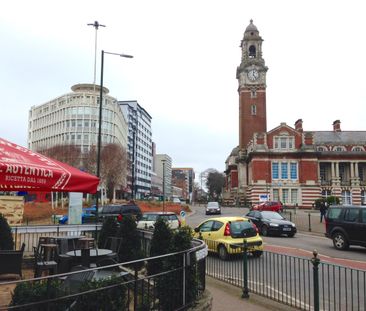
{"x":344,"y":137}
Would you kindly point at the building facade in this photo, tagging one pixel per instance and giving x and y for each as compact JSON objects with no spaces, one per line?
{"x":72,"y":119}
{"x":163,"y":169}
{"x":184,"y":178}
{"x":139,"y":148}
{"x":287,"y":163}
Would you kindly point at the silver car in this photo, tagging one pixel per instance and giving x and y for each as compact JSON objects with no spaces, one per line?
{"x":213,"y":208}
{"x":148,"y":220}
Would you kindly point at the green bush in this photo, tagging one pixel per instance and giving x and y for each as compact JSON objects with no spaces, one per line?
{"x":29,"y":292}
{"x":6,"y":238}
{"x":131,"y":243}
{"x":109,"y":229}
{"x":160,"y":244}
{"x":106,"y":295}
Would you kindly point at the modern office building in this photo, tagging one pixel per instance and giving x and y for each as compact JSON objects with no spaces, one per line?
{"x":139,"y":148}
{"x":72,"y":119}
{"x":163,"y":169}
{"x":287,"y":163}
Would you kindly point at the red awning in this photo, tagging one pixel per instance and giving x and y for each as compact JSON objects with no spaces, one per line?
{"x":23,"y":169}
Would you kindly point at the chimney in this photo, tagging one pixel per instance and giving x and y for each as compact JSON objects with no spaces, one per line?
{"x":298,"y":126}
{"x":337,"y":126}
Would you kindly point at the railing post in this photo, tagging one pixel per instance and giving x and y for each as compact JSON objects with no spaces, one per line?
{"x":135,"y":289}
{"x":245,"y":270}
{"x":184,"y":279}
{"x":316,"y":261}
{"x":309,"y":216}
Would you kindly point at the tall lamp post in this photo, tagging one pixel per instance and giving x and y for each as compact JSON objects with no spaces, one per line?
{"x":163,"y":161}
{"x":100,"y":128}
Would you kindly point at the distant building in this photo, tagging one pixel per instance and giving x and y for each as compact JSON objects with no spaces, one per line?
{"x":184,"y":178}
{"x":139,"y":148}
{"x":72,"y":119}
{"x":163,"y":166}
{"x":287,"y":163}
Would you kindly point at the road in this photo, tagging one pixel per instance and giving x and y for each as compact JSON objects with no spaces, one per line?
{"x":302,"y":244}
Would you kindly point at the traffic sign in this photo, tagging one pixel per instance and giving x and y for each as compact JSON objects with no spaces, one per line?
{"x":182,"y":214}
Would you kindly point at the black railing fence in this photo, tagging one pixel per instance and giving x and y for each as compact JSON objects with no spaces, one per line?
{"x":117,"y":286}
{"x":304,"y":283}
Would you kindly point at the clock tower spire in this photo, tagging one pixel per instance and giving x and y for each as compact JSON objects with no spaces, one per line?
{"x":251,"y":75}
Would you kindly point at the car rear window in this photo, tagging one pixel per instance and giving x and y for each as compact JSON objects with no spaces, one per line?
{"x":242,"y":229}
{"x":334,"y":213}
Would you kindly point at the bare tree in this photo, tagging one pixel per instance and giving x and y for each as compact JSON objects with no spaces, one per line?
{"x":70,"y":154}
{"x":113,"y":167}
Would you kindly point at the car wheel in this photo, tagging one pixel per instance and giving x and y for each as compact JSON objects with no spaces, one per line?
{"x":257,"y":254}
{"x":264,"y":230}
{"x":339,"y":241}
{"x":223,"y":254}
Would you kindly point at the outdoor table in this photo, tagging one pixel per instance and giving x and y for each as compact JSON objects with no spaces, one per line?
{"x":88,"y":255}
{"x":107,"y":274}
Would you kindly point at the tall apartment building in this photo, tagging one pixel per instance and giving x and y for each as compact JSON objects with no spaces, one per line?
{"x":73,"y":119}
{"x":163,"y":169}
{"x":184,"y":178}
{"x":139,"y":148}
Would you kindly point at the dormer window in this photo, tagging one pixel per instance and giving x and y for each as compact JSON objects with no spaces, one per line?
{"x":358,"y":149}
{"x":284,"y":142}
{"x":339,"y":148}
{"x":252,"y":51}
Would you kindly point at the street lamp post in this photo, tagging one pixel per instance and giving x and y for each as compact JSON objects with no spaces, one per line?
{"x":100,"y":127}
{"x":163,"y":161}
{"x":133,"y":161}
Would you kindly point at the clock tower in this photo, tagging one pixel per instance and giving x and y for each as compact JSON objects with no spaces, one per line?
{"x":251,"y":75}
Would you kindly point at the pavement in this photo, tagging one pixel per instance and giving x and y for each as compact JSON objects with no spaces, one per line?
{"x":228,"y":297}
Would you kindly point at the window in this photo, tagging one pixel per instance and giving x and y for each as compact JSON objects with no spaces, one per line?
{"x":275,"y":170}
{"x":253,"y":109}
{"x":276,"y":195}
{"x":284,"y":172}
{"x":285,"y":195}
{"x":252,"y":52}
{"x":363,"y":197}
{"x":294,"y":196}
{"x":293,"y":170}
{"x":351,"y":214}
{"x":346,"y":197}
{"x":363,"y":216}
{"x":253,"y":93}
{"x":284,"y":142}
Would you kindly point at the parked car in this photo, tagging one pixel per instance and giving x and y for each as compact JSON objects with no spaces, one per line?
{"x":148,"y":220}
{"x":273,"y":206}
{"x":224,"y":235}
{"x":177,"y":201}
{"x":346,"y":225}
{"x":87,"y":216}
{"x":118,"y":211}
{"x":213,"y":208}
{"x":272,"y":223}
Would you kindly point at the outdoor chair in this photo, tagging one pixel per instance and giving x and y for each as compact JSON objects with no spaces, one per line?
{"x":42,"y":263}
{"x":11,"y":262}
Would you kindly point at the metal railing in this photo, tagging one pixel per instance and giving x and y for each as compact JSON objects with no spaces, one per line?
{"x":120,"y":286}
{"x":304,"y":283}
{"x":31,"y":234}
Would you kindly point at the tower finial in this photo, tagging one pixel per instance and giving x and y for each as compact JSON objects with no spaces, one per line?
{"x":251,"y":21}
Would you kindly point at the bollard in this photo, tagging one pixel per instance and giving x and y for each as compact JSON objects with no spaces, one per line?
{"x":245,"y":270}
{"x":290,"y":216}
{"x":316,"y":261}
{"x":309,"y":216}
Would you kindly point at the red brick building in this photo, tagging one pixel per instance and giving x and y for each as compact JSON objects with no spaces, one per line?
{"x":287,"y":163}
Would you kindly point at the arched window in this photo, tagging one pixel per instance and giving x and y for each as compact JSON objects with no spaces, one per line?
{"x":252,"y":52}
{"x":253,"y":110}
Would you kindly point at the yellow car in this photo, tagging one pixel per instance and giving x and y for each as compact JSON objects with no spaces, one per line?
{"x":225,"y":235}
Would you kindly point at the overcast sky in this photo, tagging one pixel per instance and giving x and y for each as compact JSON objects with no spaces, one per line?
{"x":185,"y":58}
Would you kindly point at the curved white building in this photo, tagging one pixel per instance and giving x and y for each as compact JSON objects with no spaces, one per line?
{"x":73,"y":119}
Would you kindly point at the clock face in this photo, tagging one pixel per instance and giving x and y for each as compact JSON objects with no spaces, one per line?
{"x":253,"y":75}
